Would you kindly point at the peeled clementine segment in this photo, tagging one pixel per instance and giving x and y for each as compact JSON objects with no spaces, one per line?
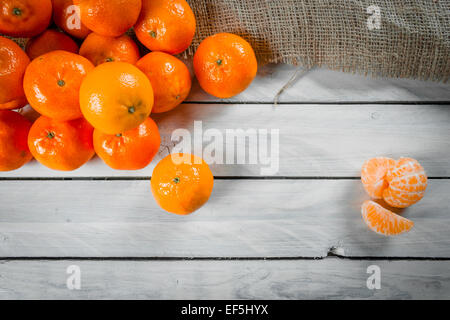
{"x":373,"y":175}
{"x":383,"y":221}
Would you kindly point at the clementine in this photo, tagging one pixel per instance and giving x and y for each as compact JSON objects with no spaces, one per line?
{"x":170,"y":79}
{"x":61,"y":145}
{"x":166,"y":25}
{"x":14,"y":152}
{"x":182,"y":183}
{"x":131,"y":150}
{"x":383,"y":221}
{"x":52,"y":83}
{"x":110,"y":18}
{"x":66,"y":16}
{"x":50,"y":40}
{"x":225,"y":65}
{"x":13,"y":63}
{"x":116,"y":97}
{"x":100,"y":49}
{"x":24,"y":18}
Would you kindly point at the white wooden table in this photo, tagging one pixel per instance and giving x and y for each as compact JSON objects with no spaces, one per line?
{"x":297,"y":234}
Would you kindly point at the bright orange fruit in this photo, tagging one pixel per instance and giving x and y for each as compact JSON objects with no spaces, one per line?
{"x":400,"y":183}
{"x":383,"y":221}
{"x":100,"y":49}
{"x":116,"y":97}
{"x":61,"y":145}
{"x":166,"y":25}
{"x":110,"y":18}
{"x":170,"y":79}
{"x":225,"y":65}
{"x":131,"y":150}
{"x":13,"y":63}
{"x":52,"y":83}
{"x":24,"y":18}
{"x":182,"y":183}
{"x":50,"y":40}
{"x":14,"y":152}
{"x":66,"y":16}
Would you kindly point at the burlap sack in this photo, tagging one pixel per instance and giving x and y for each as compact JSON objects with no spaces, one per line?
{"x":413,"y":40}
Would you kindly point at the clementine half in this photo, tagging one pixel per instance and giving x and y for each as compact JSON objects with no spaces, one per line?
{"x":52,"y":83}
{"x":225,"y":65}
{"x":400,"y":183}
{"x":132,"y":150}
{"x":116,"y":97}
{"x":110,"y":18}
{"x":14,"y":152}
{"x":100,"y":49}
{"x":383,"y":221}
{"x":66,"y":16}
{"x":170,"y":79}
{"x":182,"y":183}
{"x":24,"y":18}
{"x":13,"y":63}
{"x":61,"y":145}
{"x":166,"y":25}
{"x":50,"y":40}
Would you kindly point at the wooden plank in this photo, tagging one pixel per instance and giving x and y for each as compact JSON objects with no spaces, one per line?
{"x":322,"y":85}
{"x":314,"y":140}
{"x":198,"y":280}
{"x":244,"y":218}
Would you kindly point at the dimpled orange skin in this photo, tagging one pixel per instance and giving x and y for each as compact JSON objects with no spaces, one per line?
{"x":170,"y":79}
{"x":14,"y":152}
{"x":52,"y":83}
{"x":110,"y":18}
{"x":13,"y":63}
{"x":61,"y":145}
{"x":50,"y":40}
{"x":225,"y":65}
{"x":182,"y":187}
{"x":166,"y":25}
{"x":131,"y":150}
{"x":100,"y":49}
{"x":116,"y":97}
{"x":67,"y":18}
{"x":24,"y":18}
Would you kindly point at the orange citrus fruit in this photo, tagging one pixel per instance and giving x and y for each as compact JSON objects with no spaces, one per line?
{"x":170,"y":79}
{"x":116,"y":97}
{"x":13,"y":63}
{"x":131,"y":150}
{"x":225,"y":65}
{"x":50,"y":40}
{"x":14,"y":152}
{"x":383,"y":221}
{"x":24,"y":18}
{"x":400,"y":183}
{"x":67,"y":17}
{"x":52,"y":83}
{"x":182,"y":183}
{"x":100,"y":49}
{"x":166,"y":25}
{"x":61,"y":145}
{"x":110,"y":18}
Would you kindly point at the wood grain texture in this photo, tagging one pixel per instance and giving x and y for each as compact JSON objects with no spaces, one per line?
{"x":299,"y":279}
{"x":322,"y":85}
{"x":314,"y":140}
{"x":244,"y":218}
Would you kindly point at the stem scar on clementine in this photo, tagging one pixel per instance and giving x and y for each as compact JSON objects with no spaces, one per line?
{"x":182,"y":183}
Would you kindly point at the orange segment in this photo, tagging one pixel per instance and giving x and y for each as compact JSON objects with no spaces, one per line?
{"x":383,"y":221}
{"x":373,"y":174}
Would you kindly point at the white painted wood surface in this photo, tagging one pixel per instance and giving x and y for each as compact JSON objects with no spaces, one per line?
{"x":314,"y":140}
{"x":244,"y":218}
{"x":297,"y":279}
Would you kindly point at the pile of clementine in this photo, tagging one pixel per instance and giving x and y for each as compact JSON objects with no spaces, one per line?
{"x":94,"y":92}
